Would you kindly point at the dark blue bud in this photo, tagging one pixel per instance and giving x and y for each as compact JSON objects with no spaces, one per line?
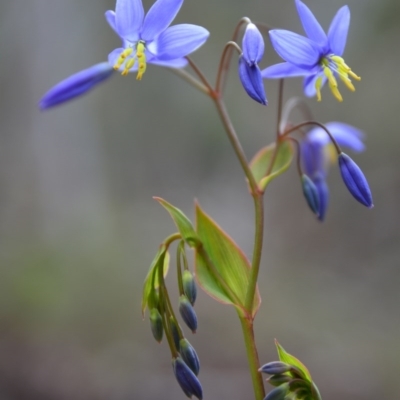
{"x":278,"y":393}
{"x":189,"y":355}
{"x":355,"y":180}
{"x":76,"y":85}
{"x":310,"y":193}
{"x":175,"y":332}
{"x":277,"y":380}
{"x":187,"y":313}
{"x":187,"y":379}
{"x":275,"y":367}
{"x":250,"y":76}
{"x":323,"y":195}
{"x":156,"y":324}
{"x":189,"y":286}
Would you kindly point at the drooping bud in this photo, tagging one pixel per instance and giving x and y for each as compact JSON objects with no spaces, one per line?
{"x":277,"y":380}
{"x":187,"y":379}
{"x":275,"y":367}
{"x":278,"y":393}
{"x":189,"y":286}
{"x":175,"y":332}
{"x":156,"y":324}
{"x":187,"y":313}
{"x":355,"y":180}
{"x":323,"y":195}
{"x":310,"y":193}
{"x":189,"y":355}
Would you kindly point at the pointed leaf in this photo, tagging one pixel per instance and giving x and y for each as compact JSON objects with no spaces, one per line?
{"x":231,"y":265}
{"x":151,"y":283}
{"x":289,"y":359}
{"x":181,"y":221}
{"x":261,"y":162}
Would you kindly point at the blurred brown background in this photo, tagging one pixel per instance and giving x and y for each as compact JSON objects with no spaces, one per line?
{"x":79,"y":228}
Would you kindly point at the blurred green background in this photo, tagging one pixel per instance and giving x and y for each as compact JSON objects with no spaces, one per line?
{"x":79,"y":228}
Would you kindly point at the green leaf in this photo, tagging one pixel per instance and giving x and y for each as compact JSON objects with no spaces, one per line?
{"x":227,"y":279}
{"x":289,"y":359}
{"x":261,"y":161}
{"x":151,"y":283}
{"x":182,"y":222}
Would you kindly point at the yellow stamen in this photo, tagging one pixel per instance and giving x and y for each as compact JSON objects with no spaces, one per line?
{"x":353,"y":75}
{"x":329,"y":74}
{"x":347,"y":82}
{"x":128,"y":65}
{"x":335,"y":92}
{"x":140,"y":55}
{"x":318,"y":84}
{"x":122,"y":57}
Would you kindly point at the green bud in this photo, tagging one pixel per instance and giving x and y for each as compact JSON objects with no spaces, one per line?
{"x":278,"y":379}
{"x":175,"y":332}
{"x":189,"y":286}
{"x":189,"y":355}
{"x":156,"y":324}
{"x":187,"y":313}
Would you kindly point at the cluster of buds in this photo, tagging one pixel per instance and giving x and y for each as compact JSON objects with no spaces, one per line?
{"x":185,"y":362}
{"x":290,"y":382}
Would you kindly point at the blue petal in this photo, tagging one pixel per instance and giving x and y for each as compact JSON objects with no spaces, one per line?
{"x":179,"y":41}
{"x":129,"y":16}
{"x":338,"y":30}
{"x":252,"y":82}
{"x":312,"y":157}
{"x":355,"y":180}
{"x":176,"y":63}
{"x":253,"y":45}
{"x":283,"y":70}
{"x":310,"y":24}
{"x":294,"y":48}
{"x":76,"y":85}
{"x":323,"y":195}
{"x":309,"y":84}
{"x":310,"y":193}
{"x":110,"y":17}
{"x":346,"y":136}
{"x":159,"y":17}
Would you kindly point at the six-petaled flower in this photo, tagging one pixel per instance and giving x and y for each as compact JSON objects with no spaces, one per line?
{"x":317,"y":57}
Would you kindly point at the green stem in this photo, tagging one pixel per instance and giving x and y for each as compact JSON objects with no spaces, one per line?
{"x":252,"y":357}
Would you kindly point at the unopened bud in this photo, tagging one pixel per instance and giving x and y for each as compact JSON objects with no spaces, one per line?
{"x":275,"y":367}
{"x":310,"y":193}
{"x":156,"y":324}
{"x":189,"y":286}
{"x":278,"y":393}
{"x":175,"y":332}
{"x":187,"y":313}
{"x":355,"y":180}
{"x":278,"y":379}
{"x":187,"y":379}
{"x":189,"y":355}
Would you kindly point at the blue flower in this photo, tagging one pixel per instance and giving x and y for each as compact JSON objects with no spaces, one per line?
{"x":76,"y":85}
{"x":149,"y":39}
{"x":249,"y":72}
{"x":317,"y":57}
{"x":145,"y":40}
{"x":317,"y":153}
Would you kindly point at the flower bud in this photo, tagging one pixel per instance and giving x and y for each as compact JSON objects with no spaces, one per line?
{"x":189,"y":355}
{"x":188,"y":314}
{"x":310,"y":193}
{"x":156,"y":324}
{"x":355,"y":180}
{"x":175,"y":332}
{"x":189,"y":286}
{"x":187,"y":379}
{"x":275,"y":367}
{"x":278,"y":379}
{"x":323,"y":194}
{"x":278,"y":393}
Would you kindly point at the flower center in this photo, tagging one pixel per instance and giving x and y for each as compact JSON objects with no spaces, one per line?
{"x":128,"y":58}
{"x":334,"y":66}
